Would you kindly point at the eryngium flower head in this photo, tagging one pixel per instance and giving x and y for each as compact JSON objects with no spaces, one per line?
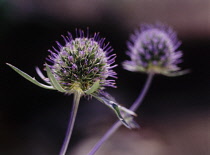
{"x":82,"y":67}
{"x":153,"y":49}
{"x":82,"y":61}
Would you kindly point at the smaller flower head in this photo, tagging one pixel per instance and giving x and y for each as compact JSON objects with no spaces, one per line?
{"x":153,"y":49}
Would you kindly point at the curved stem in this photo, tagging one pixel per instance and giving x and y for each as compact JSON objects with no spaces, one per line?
{"x":141,"y":96}
{"x":135,"y":105}
{"x":73,"y":114}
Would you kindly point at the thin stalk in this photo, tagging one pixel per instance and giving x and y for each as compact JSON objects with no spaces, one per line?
{"x":116,"y":125}
{"x":141,"y":96}
{"x":73,"y":114}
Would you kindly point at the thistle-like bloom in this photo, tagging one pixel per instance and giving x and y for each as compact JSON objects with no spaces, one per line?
{"x":81,"y":62}
{"x":82,"y":67}
{"x":153,"y":49}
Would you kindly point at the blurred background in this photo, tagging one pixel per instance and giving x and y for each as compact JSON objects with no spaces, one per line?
{"x":175,"y":115}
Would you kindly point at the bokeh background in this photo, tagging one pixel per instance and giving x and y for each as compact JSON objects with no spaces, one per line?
{"x":175,"y":115}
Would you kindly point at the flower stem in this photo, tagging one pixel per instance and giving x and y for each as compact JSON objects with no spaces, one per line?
{"x":141,"y":96}
{"x":134,"y":107}
{"x":73,"y":114}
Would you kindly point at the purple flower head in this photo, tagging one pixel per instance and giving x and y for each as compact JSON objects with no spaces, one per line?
{"x":153,"y":49}
{"x":81,"y":67}
{"x":83,"y":60}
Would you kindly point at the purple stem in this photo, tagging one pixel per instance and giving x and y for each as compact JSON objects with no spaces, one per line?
{"x":134,"y":107}
{"x":73,"y":114}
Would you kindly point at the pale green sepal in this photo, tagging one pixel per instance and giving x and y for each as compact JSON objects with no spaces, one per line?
{"x":178,"y":73}
{"x":92,"y":89}
{"x":114,"y":106}
{"x":126,"y":119}
{"x":127,"y":110}
{"x":131,"y":122}
{"x":29,"y":78}
{"x":116,"y":109}
{"x":53,"y":81}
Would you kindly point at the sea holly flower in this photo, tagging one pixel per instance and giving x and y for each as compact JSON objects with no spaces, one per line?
{"x":153,"y":49}
{"x":83,"y":67}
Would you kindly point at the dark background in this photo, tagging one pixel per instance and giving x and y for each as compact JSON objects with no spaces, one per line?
{"x":174,"y":115}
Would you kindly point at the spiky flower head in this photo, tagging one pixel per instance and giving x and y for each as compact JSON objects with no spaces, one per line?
{"x":82,"y":61}
{"x":82,"y":67}
{"x":153,"y":49}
